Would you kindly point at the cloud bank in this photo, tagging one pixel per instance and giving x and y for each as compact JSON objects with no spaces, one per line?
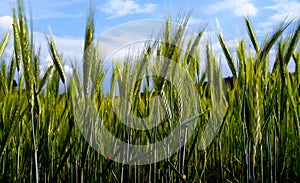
{"x":119,"y":8}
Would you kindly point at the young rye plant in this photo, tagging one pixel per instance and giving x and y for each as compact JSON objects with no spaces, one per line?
{"x":258,"y":139}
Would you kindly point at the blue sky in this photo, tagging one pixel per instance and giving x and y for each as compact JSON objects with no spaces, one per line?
{"x":67,"y":18}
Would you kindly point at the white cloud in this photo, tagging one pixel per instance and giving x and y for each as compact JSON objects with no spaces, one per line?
{"x":68,"y":70}
{"x":193,"y":20}
{"x":119,"y":8}
{"x":5,"y":23}
{"x":285,"y":9}
{"x":196,"y":22}
{"x":247,"y":9}
{"x":239,"y":7}
{"x":265,"y":27}
{"x":131,"y":36}
{"x":281,"y":10}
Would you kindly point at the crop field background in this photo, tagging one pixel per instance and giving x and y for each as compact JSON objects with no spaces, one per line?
{"x":258,"y":139}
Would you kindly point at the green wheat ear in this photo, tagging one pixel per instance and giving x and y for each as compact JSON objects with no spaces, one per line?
{"x":17,"y":48}
{"x":88,"y":51}
{"x":252,"y":35}
{"x":4,"y":42}
{"x":56,"y":59}
{"x":228,"y":55}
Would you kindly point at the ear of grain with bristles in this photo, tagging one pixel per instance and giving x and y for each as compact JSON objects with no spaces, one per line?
{"x":257,"y":116}
{"x":88,"y":50}
{"x":227,"y":55}
{"x":3,"y":85}
{"x":11,"y":74}
{"x":193,"y":56}
{"x":4,"y":42}
{"x":296,"y":57}
{"x":56,"y":59}
{"x":241,"y":53}
{"x":26,"y":58}
{"x":36,"y":70}
{"x":17,"y":48}
{"x":293,"y":44}
{"x":269,"y":43}
{"x":252,"y":35}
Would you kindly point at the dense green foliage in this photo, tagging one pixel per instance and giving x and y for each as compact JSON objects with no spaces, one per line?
{"x":259,"y":139}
